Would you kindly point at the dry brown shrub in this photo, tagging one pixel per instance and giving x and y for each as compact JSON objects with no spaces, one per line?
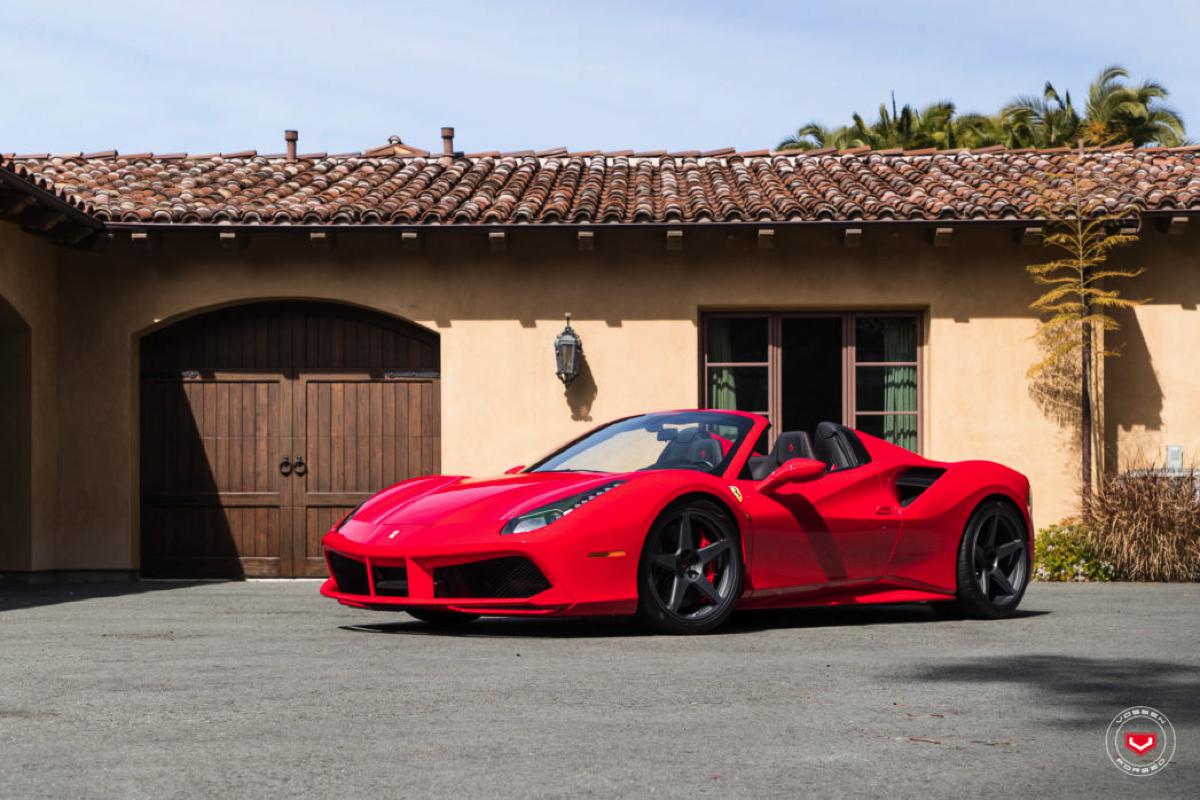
{"x":1147,"y":523}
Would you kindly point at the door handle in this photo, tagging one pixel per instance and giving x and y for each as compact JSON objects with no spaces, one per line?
{"x":285,"y":467}
{"x":884,"y":511}
{"x":300,"y":468}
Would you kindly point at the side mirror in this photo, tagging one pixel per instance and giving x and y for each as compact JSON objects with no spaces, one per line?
{"x":514,"y":470}
{"x":792,"y":471}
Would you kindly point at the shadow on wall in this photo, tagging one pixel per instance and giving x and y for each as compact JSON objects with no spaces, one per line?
{"x":1133,"y":396}
{"x":185,"y":531}
{"x":16,"y":442}
{"x":581,"y":393}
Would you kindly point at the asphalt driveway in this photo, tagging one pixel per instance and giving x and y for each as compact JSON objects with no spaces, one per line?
{"x":265,"y":689}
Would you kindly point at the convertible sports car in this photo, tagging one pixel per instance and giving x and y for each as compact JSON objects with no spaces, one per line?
{"x":682,"y":516}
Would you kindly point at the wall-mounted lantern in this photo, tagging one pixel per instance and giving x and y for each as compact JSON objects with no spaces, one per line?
{"x":568,"y":352}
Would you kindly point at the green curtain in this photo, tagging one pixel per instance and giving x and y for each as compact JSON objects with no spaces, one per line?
{"x":722,"y":389}
{"x":900,"y":383}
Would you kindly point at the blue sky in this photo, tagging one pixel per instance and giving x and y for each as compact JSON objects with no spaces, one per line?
{"x":215,"y":75}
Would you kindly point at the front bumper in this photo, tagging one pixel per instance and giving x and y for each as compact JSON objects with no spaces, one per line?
{"x":505,"y":577}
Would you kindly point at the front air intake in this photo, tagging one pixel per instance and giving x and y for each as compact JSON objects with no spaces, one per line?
{"x":508,"y":577}
{"x":390,"y":581}
{"x":349,"y":575}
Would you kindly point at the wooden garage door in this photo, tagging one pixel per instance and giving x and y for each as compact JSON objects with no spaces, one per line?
{"x":264,"y":424}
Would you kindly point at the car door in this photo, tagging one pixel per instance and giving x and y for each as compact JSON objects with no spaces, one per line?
{"x":839,"y":528}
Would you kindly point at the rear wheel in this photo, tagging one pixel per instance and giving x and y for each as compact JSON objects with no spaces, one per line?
{"x":690,"y":573}
{"x":993,"y":563}
{"x":442,"y":619}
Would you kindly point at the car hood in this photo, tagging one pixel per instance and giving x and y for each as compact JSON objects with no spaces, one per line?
{"x":455,"y":500}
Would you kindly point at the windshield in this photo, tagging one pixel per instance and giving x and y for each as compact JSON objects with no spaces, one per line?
{"x":695,"y":440}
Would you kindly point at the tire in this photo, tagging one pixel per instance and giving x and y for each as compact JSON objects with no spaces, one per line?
{"x":691,"y":569}
{"x":442,"y":619}
{"x":992,"y":568}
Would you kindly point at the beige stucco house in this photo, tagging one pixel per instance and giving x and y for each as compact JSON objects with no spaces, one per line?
{"x":205,"y":359}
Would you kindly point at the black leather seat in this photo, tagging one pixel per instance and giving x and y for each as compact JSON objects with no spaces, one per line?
{"x":789,"y":445}
{"x":839,"y":447}
{"x":691,"y":446}
{"x":704,"y":452}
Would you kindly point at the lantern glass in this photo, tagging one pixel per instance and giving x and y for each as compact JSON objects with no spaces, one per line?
{"x":567,"y":349}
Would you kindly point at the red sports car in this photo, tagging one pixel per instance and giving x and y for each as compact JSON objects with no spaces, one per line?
{"x":680,"y":517}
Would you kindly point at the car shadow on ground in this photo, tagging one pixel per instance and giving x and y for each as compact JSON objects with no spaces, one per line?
{"x":740,"y":623}
{"x":14,"y":597}
{"x":1077,"y":691}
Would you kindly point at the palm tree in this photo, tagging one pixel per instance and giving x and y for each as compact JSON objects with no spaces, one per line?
{"x":1116,"y":112}
{"x":814,"y":136}
{"x":1046,"y":121}
{"x":937,"y":125}
{"x":1119,"y":113}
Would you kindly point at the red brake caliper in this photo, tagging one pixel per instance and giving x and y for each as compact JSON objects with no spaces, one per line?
{"x":710,"y":569}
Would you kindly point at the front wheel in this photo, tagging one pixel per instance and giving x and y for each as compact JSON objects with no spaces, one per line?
{"x":691,"y":570}
{"x":993,"y":563}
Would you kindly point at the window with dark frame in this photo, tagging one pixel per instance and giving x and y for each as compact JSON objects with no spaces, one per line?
{"x":859,"y":368}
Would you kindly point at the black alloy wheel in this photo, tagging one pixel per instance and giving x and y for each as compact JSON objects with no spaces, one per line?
{"x":993,"y":562}
{"x":690,"y":574}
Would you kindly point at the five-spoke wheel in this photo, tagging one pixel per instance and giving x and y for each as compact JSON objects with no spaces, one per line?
{"x":690,"y":574}
{"x":993,"y":562}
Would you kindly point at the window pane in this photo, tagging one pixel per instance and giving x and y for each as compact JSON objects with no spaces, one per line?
{"x":885,"y":388}
{"x":885,"y":338}
{"x":899,"y":429}
{"x":737,"y":388}
{"x":737,"y":339}
{"x":811,"y":372}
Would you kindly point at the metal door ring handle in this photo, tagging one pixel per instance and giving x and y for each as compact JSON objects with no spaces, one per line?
{"x":301,"y":468}
{"x":285,"y":467}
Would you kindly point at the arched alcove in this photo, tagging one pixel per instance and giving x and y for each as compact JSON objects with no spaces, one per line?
{"x":16,"y":442}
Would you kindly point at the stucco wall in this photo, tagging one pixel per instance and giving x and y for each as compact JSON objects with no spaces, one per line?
{"x":28,"y":485}
{"x":636,"y":307}
{"x":1154,"y":385}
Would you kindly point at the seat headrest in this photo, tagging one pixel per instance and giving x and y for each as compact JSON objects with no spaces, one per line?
{"x":840,"y":447}
{"x":706,"y":450}
{"x":791,"y":444}
{"x":827,"y":430}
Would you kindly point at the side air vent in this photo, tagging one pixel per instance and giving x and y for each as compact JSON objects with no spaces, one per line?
{"x":912,"y":483}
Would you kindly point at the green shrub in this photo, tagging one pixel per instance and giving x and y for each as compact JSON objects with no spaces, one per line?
{"x":1064,"y":552}
{"x":1147,"y":524}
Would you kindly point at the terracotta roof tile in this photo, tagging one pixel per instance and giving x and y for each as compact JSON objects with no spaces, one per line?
{"x":558,"y":186}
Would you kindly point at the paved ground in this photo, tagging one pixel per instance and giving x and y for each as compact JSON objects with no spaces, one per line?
{"x":264,"y":689}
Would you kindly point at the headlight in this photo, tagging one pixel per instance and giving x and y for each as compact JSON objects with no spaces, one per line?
{"x":553,"y":512}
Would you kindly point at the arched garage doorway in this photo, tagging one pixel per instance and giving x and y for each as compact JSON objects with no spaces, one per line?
{"x":263,"y":424}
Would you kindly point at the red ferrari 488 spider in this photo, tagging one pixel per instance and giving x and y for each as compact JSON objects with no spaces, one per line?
{"x":680,"y":517}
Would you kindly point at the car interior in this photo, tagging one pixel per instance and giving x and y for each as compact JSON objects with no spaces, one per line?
{"x":691,"y":448}
{"x":836,"y":445}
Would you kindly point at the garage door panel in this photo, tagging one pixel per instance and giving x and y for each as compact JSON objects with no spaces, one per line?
{"x":227,"y":395}
{"x":361,"y":436}
{"x":211,"y":490}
